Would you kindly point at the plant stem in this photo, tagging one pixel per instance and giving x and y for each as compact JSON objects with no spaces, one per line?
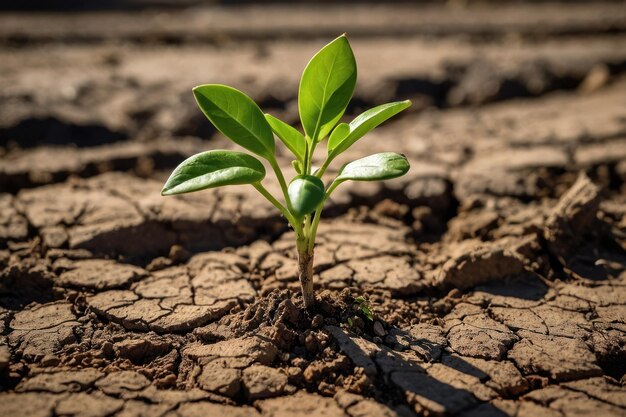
{"x":260,"y":188}
{"x":305,"y":255}
{"x":281,"y":180}
{"x":306,"y":225}
{"x":313,"y":230}
{"x":318,"y":215}
{"x":307,"y":155}
{"x":313,"y":145}
{"x":305,"y":271}
{"x":323,"y":168}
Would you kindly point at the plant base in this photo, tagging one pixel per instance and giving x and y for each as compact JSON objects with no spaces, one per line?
{"x":305,"y":274}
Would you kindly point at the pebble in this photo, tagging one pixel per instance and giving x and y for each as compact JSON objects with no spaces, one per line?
{"x":50,"y":360}
{"x":310,"y":342}
{"x":455,"y":293}
{"x":318,"y":321}
{"x":379,"y":329}
{"x":358,"y":323}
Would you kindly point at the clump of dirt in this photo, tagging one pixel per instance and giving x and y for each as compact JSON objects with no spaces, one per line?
{"x":308,"y":352}
{"x":25,"y":276}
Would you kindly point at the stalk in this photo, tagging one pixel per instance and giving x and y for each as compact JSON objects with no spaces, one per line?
{"x":285,"y":212}
{"x":318,"y":215}
{"x":281,"y":179}
{"x":305,"y":271}
{"x":305,"y":244}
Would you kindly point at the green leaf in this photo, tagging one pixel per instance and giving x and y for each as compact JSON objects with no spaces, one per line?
{"x":214,"y":169}
{"x":338,"y":134}
{"x":293,"y":140}
{"x":238,"y":117}
{"x":326,"y":87}
{"x":345,"y":135}
{"x":306,"y":192}
{"x":367,"y":311}
{"x":377,"y":167}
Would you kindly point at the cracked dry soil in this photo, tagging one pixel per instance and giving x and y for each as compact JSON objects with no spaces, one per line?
{"x":496,"y":269}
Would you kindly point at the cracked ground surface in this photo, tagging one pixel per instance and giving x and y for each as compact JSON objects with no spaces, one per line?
{"x":495,"y":270}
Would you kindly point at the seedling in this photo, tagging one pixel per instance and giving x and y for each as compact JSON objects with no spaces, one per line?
{"x":365,"y":308}
{"x":326,"y":87}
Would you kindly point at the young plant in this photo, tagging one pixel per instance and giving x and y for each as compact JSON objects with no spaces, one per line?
{"x":326,"y":87}
{"x":365,"y":308}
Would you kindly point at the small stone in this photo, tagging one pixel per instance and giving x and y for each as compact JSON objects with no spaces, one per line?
{"x":159,"y":263}
{"x":179,"y":254}
{"x":168,"y":381}
{"x":318,"y":321}
{"x":295,"y":375}
{"x":596,"y":78}
{"x":358,"y":322}
{"x":310,"y":342}
{"x":455,"y":293}
{"x":379,"y":329}
{"x":299,"y":362}
{"x":107,"y":348}
{"x":326,"y":389}
{"x":50,"y":360}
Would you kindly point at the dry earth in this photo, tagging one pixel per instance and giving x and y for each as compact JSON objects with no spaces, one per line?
{"x":496,"y":269}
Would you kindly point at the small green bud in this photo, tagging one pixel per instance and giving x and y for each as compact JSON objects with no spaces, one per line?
{"x":306,"y":193}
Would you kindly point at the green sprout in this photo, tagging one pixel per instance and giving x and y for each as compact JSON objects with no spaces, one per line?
{"x":365,"y":308}
{"x":326,"y":87}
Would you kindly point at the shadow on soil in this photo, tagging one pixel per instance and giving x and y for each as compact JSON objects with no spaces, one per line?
{"x":50,"y":130}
